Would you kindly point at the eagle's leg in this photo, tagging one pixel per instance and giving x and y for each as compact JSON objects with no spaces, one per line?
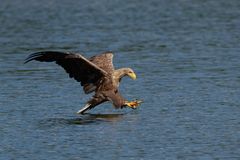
{"x":84,"y":109}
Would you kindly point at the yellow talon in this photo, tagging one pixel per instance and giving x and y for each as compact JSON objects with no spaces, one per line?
{"x":133,"y":104}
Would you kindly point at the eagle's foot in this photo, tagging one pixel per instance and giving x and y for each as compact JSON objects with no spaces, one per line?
{"x":133,"y":104}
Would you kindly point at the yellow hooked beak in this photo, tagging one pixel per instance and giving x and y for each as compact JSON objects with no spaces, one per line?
{"x":132,"y":75}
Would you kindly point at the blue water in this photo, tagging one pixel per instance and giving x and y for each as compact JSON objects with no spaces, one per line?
{"x":187,"y":58}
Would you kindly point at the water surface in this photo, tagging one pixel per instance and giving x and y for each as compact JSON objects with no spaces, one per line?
{"x":187,"y":58}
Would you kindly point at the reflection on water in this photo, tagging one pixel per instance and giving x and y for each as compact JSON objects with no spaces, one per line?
{"x":104,"y":117}
{"x":82,"y":120}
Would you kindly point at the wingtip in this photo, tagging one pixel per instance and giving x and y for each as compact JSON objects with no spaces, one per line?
{"x":28,"y":59}
{"x":33,"y":56}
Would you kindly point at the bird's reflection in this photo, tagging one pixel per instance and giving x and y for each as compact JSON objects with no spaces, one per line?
{"x":81,"y":120}
{"x":110,"y":117}
{"x":88,"y":118}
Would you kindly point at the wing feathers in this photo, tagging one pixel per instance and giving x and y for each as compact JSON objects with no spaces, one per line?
{"x":48,"y":56}
{"x":104,"y":61}
{"x":77,"y":66}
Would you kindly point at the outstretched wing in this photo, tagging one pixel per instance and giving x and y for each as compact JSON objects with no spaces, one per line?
{"x":104,"y":61}
{"x":78,"y":67}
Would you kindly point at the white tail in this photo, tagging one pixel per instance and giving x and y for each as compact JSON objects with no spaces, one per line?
{"x":85,"y":108}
